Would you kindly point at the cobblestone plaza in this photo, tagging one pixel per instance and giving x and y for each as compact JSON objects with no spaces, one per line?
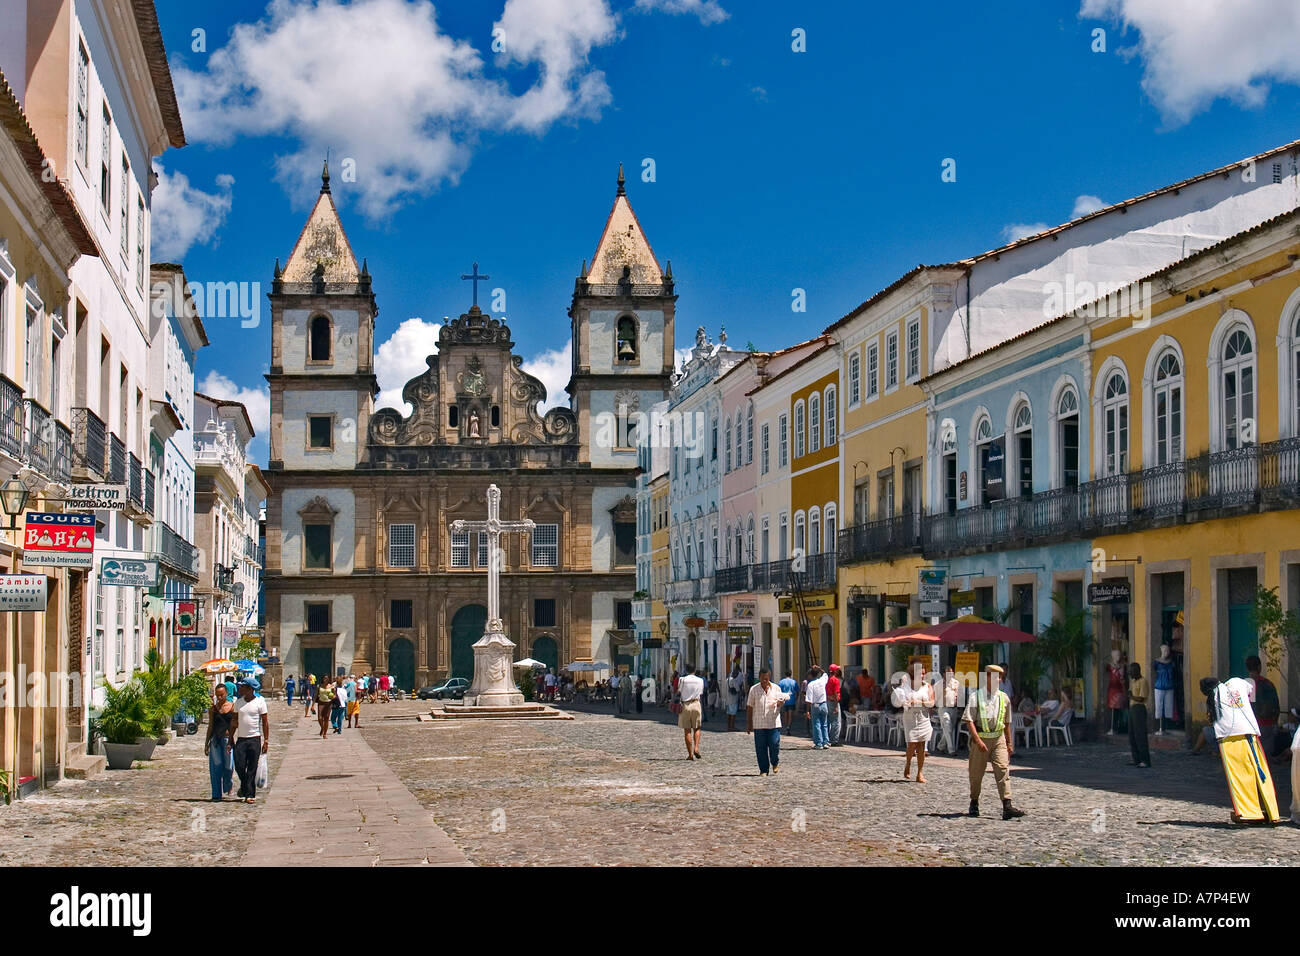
{"x":604,"y":790}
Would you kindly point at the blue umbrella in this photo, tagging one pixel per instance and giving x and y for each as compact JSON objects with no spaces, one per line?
{"x":250,"y":666}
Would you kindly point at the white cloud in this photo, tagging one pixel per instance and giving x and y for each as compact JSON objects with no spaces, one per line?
{"x":401,"y":358}
{"x":553,"y":367}
{"x":681,"y":356}
{"x":709,"y":11}
{"x":1020,"y":230}
{"x":1195,"y":51}
{"x":380,"y":84}
{"x":1086,"y":204}
{"x":183,"y":215}
{"x":256,"y":401}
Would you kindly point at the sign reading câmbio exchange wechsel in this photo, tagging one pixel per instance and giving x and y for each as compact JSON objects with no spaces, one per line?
{"x":23,"y":592}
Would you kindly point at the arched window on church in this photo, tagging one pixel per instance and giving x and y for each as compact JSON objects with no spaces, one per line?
{"x":626,"y":347}
{"x":319,"y":339}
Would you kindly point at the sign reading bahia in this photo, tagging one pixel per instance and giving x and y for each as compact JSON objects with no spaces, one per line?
{"x":59,"y":539}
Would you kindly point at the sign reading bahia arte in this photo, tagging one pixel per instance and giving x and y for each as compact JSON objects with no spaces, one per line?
{"x":59,"y":539}
{"x":23,"y":592}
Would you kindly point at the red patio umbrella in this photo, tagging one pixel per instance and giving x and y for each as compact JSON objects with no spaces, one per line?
{"x":962,"y":630}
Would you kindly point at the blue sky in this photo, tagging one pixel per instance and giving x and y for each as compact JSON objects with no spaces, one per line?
{"x":774,"y":169}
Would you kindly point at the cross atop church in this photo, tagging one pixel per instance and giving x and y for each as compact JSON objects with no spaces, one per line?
{"x":476,"y":279}
{"x":494,"y":527}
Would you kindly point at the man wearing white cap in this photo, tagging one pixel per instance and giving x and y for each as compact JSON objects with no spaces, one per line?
{"x":988,"y":721}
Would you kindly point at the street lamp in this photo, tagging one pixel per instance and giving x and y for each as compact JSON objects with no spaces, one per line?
{"x":13,"y":499}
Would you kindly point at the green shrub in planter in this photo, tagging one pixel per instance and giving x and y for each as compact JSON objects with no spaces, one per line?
{"x":125,"y":715}
{"x":161,"y":694}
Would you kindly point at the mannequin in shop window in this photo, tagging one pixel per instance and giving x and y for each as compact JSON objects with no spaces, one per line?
{"x":1163,"y":670}
{"x":1116,"y":697}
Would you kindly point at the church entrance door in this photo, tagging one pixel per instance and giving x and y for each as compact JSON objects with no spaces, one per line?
{"x":401,"y":663}
{"x":545,"y":650}
{"x":467,"y":626}
{"x":318,"y":661}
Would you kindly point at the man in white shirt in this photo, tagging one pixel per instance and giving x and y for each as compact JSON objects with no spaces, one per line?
{"x":613,"y":688}
{"x":689,"y":690}
{"x":763,"y":719}
{"x":815,"y":698}
{"x":251,"y":733}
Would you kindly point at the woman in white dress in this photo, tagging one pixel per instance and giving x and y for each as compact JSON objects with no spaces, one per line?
{"x":915,"y":718}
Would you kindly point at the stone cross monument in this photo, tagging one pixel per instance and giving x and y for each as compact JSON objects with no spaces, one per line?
{"x":493,"y":684}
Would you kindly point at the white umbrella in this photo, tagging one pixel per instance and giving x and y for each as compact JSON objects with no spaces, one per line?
{"x":529,"y":662}
{"x":588,"y":666}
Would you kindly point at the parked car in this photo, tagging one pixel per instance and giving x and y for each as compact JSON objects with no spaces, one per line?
{"x":453,"y":689}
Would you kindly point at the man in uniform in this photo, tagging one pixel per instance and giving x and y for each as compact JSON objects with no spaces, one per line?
{"x":988,"y":721}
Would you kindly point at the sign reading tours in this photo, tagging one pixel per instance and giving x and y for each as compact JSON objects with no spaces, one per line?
{"x":60,"y":539}
{"x":128,"y":573}
{"x":187,"y":619}
{"x":96,"y":497}
{"x":1118,"y":593}
{"x":23,"y":592}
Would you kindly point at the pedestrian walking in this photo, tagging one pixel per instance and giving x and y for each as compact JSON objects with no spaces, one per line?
{"x":1264,"y":702}
{"x":833,"y":705}
{"x":252,"y":737}
{"x":815,"y":698}
{"x":988,"y":721}
{"x":950,"y":716}
{"x":1250,"y":784}
{"x":790,"y":687}
{"x":309,"y":696}
{"x":289,"y":688}
{"x":915,"y":698}
{"x":763,"y":709}
{"x":690,"y":689}
{"x":713,"y":693}
{"x":636,"y":690}
{"x":354,"y":705}
{"x":217,"y":746}
{"x":735,"y":691}
{"x":324,"y":704}
{"x":1138,"y":692}
{"x":340,"y":705}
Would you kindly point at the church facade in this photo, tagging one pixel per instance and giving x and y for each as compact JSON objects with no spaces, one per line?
{"x":363,"y":571}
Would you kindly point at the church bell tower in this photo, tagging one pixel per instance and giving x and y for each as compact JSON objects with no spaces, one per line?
{"x":622,"y":317}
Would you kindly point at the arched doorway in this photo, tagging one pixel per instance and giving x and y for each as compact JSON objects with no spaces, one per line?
{"x":466,"y":627}
{"x":401,"y":663}
{"x":546,"y":651}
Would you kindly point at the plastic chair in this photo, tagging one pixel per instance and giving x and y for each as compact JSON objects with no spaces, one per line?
{"x":895,"y":729}
{"x":936,"y":733}
{"x":1062,"y":728}
{"x":1023,"y":724}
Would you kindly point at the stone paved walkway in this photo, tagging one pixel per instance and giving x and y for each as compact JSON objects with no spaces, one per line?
{"x":335,"y":798}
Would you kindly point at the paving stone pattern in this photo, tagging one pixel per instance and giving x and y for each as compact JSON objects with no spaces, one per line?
{"x":609,"y":791}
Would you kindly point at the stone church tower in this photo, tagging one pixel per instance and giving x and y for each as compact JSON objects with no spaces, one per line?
{"x":363,"y":571}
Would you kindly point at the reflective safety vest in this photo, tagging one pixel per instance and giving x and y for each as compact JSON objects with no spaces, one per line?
{"x":996,"y":729}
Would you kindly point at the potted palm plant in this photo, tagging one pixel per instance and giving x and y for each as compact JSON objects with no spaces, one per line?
{"x":162,"y":695}
{"x":123,"y":721}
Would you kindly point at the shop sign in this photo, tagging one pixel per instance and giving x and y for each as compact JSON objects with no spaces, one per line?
{"x":898,"y":600}
{"x":740,"y":634}
{"x":23,"y":592}
{"x":785,"y":632}
{"x":229,"y":636}
{"x":60,"y":539}
{"x":994,"y":469}
{"x":96,"y":497}
{"x":128,"y":573}
{"x":187,"y":619}
{"x":694,"y":622}
{"x":1119,"y":593}
{"x":744,"y":610}
{"x":931,"y":589}
{"x":717,"y":625}
{"x":820,"y":601}
{"x":962,"y":598}
{"x":194,"y":643}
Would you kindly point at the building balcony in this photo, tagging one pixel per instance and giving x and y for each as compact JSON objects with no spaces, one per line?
{"x":1263,"y":477}
{"x":89,"y":446}
{"x":135,"y":488}
{"x":40,"y":437}
{"x":223,"y":578}
{"x":116,"y":460}
{"x":641,"y":610}
{"x":818,"y":574}
{"x":12,"y":419}
{"x":885,"y":539}
{"x":175,"y":554}
{"x":730,"y":580}
{"x":682,"y":592}
{"x":62,"y":453}
{"x":148,"y":491}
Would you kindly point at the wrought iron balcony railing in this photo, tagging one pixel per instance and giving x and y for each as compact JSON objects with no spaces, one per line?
{"x":148,"y":491}
{"x":11,"y":418}
{"x":887,"y":538}
{"x":40,"y":437}
{"x":89,"y":444}
{"x":727,"y":580}
{"x":818,"y":574}
{"x":116,"y":460}
{"x":62,"y":452}
{"x":174,"y":551}
{"x":135,"y":492}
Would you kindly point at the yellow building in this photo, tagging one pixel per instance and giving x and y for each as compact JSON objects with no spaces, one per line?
{"x":1196,"y":457}
{"x":810,"y":390}
{"x":885,"y":349}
